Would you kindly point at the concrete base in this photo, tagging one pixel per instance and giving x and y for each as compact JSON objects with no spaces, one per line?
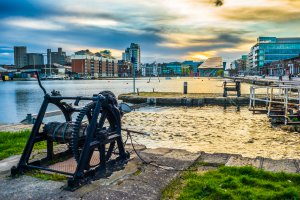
{"x":8,"y":163}
{"x":168,"y":101}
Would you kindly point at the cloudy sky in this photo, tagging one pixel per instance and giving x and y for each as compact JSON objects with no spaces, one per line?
{"x":167,"y":30}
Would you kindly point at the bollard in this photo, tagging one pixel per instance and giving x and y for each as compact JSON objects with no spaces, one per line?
{"x":153,"y":90}
{"x":185,"y":87}
{"x":280,"y":78}
{"x":137,"y":90}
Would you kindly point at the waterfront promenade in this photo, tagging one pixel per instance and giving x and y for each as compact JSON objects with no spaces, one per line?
{"x":178,"y":137}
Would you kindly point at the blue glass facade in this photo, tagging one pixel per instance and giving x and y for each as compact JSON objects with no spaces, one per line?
{"x":270,"y":49}
{"x":174,"y":67}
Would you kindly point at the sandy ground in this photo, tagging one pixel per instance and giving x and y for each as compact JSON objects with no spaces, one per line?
{"x":213,"y":130}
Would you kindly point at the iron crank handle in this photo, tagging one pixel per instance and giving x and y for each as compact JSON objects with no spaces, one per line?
{"x":39,"y":81}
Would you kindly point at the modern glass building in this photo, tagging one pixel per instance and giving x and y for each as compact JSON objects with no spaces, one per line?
{"x":270,"y":49}
{"x":133,"y":54}
{"x":174,"y":68}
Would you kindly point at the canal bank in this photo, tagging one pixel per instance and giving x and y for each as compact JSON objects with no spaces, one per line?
{"x":177,"y":99}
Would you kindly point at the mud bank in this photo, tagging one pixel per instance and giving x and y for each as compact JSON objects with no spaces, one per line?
{"x":213,"y":129}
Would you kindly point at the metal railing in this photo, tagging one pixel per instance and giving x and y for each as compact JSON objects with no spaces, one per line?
{"x":281,"y":101}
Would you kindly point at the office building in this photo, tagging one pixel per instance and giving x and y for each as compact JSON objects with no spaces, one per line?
{"x":35,"y":59}
{"x":174,"y":68}
{"x":240,"y":65}
{"x":270,"y":49}
{"x":133,"y":54}
{"x":191,"y":68}
{"x":152,"y":69}
{"x":126,"y":55}
{"x":20,"y":57}
{"x":58,"y":57}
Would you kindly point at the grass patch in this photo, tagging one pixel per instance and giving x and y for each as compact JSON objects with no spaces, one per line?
{"x":137,"y":172}
{"x":46,"y":177}
{"x":176,"y":94}
{"x":234,"y":183}
{"x":13,"y":143}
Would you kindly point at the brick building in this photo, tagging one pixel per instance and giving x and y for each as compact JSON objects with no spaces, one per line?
{"x":95,"y":66}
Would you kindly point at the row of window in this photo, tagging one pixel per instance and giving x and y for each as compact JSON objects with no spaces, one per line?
{"x":279,"y":46}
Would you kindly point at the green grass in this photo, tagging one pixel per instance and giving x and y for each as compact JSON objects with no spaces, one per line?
{"x":234,"y":183}
{"x":46,"y":177}
{"x":176,"y":94}
{"x":13,"y":143}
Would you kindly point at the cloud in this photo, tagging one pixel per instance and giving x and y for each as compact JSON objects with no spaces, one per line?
{"x":199,"y":55}
{"x":5,"y":54}
{"x":262,"y":13}
{"x":166,"y":30}
{"x":212,"y":39}
{"x":31,"y":23}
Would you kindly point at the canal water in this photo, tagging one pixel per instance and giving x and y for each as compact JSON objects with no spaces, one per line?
{"x":21,"y":97}
{"x":18,"y":98}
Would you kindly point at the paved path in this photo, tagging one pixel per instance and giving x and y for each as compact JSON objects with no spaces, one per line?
{"x":15,"y":127}
{"x":136,"y":180}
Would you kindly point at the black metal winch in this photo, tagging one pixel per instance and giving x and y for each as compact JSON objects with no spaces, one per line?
{"x":97,"y":128}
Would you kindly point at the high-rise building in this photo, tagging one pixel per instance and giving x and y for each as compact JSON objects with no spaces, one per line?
{"x":20,"y":58}
{"x":126,"y":55}
{"x":270,"y":49}
{"x":133,"y":54}
{"x":58,"y":57}
{"x":35,"y":59}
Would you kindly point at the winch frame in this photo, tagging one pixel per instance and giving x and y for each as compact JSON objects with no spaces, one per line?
{"x":83,"y":172}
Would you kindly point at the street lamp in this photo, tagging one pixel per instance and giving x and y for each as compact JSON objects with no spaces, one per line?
{"x":133,"y":68}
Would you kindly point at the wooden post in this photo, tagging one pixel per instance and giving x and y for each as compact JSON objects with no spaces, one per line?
{"x":298,"y":99}
{"x":267,"y":97}
{"x":270,"y":101}
{"x":250,"y":102}
{"x":254,"y":100}
{"x":286,"y":97}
